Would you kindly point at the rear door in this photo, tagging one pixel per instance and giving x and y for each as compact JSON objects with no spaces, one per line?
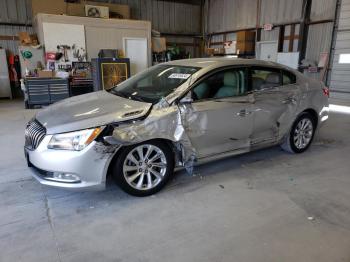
{"x":275,"y":95}
{"x":290,"y":97}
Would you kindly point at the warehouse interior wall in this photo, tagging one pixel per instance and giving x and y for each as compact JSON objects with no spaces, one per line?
{"x":307,"y":29}
{"x":180,"y":21}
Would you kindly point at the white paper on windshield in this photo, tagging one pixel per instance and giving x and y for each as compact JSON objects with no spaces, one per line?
{"x":179,"y":76}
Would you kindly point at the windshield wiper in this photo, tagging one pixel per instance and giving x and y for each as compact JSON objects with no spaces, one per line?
{"x":138,"y":98}
{"x":121,"y":94}
{"x":128,"y":96}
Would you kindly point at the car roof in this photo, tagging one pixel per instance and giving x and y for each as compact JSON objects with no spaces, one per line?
{"x":221,"y":61}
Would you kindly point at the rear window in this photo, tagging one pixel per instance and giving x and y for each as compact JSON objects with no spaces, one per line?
{"x":288,"y":78}
{"x":264,"y":78}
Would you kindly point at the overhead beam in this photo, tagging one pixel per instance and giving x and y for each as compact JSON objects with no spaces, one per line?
{"x":304,"y":29}
{"x":191,"y":2}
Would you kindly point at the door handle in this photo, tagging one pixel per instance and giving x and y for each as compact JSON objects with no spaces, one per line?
{"x":244,"y":113}
{"x":289,"y":100}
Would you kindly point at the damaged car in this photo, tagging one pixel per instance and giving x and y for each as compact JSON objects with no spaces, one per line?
{"x":173,"y":115}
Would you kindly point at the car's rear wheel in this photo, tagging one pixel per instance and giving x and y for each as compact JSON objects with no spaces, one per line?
{"x":144,"y":169}
{"x":301,"y":134}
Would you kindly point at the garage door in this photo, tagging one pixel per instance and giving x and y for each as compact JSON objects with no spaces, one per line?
{"x":340,"y":74}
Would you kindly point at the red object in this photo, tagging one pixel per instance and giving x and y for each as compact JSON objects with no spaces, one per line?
{"x":11,"y":59}
{"x":50,"y":55}
{"x":268,"y":27}
{"x":326,"y":91}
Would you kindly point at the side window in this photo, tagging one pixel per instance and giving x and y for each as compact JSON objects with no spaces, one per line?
{"x":263,"y":78}
{"x":226,"y":83}
{"x":288,"y":78}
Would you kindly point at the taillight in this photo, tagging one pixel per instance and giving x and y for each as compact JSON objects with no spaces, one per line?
{"x":326,"y":91}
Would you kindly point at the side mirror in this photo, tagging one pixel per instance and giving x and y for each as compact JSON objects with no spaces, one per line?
{"x":187,"y":99}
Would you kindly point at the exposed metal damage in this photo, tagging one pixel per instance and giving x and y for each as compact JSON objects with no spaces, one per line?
{"x":171,"y":123}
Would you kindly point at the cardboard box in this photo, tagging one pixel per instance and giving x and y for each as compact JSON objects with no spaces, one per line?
{"x":24,"y":38}
{"x":114,"y":9}
{"x":97,"y":11}
{"x":158,"y":44}
{"x":219,"y":51}
{"x":46,"y":74}
{"x":246,"y":36}
{"x":59,"y":7}
{"x":245,"y":47}
{"x":209,"y":51}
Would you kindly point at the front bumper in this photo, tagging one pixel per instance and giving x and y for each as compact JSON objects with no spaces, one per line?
{"x":90,"y":165}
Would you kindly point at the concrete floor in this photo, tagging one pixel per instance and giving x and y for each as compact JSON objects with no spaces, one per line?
{"x":263,"y":206}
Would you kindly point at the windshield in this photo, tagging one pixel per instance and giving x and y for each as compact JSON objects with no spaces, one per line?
{"x":155,"y":83}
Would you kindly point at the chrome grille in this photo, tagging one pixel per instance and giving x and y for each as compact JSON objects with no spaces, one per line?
{"x":34,"y":134}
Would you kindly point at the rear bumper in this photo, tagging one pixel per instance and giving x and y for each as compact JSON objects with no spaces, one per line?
{"x":323,"y":116}
{"x":89,"y":166}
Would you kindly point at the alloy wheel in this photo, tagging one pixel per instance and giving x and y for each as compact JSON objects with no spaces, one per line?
{"x":303,"y":133}
{"x":144,"y":167}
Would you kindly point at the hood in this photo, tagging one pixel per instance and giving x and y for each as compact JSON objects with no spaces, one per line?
{"x":90,"y":110}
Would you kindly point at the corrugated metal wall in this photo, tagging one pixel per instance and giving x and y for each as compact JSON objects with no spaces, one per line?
{"x":12,"y":45}
{"x":340,"y":74}
{"x":319,"y":40}
{"x":322,"y":9}
{"x":15,"y":11}
{"x":280,"y":11}
{"x":229,"y":15}
{"x":232,"y":15}
{"x":166,"y":17}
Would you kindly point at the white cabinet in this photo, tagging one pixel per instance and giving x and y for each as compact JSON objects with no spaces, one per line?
{"x":5,"y":88}
{"x":133,"y":37}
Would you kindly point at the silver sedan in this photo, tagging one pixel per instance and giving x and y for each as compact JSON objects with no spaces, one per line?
{"x":176,"y":114}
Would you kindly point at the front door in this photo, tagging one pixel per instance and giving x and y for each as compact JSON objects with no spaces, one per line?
{"x":220,"y":119}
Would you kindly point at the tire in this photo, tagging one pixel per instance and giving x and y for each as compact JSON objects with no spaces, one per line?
{"x":146,"y":175}
{"x":304,"y":127}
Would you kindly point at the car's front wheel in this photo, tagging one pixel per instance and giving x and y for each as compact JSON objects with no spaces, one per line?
{"x":301,"y":134}
{"x":144,"y":169}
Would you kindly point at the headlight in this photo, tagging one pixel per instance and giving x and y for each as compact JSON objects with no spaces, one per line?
{"x":77,"y":140}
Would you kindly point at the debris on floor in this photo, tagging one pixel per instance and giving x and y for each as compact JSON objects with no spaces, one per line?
{"x":323,"y":142}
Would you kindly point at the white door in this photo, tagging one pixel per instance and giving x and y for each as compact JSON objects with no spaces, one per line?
{"x":136,"y":50}
{"x":5,"y":88}
{"x":267,"y":51}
